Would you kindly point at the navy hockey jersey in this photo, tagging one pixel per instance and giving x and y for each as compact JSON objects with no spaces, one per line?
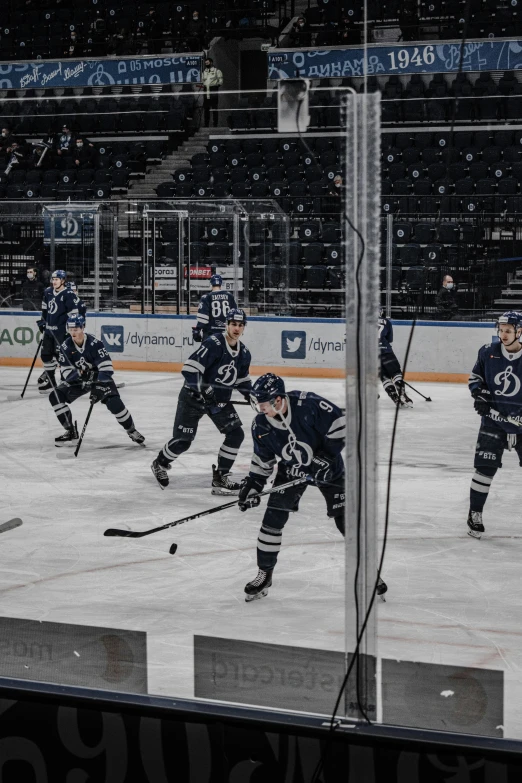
{"x":76,"y":361}
{"x":500,"y":371}
{"x":385,"y":336}
{"x":56,"y":308}
{"x":218,"y":365}
{"x":314,"y":426}
{"x":212,"y":311}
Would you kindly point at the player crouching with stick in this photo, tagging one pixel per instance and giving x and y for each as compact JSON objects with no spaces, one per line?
{"x":86,"y":366}
{"x":307,"y":434}
{"x":211,"y":373}
{"x":496,"y":387}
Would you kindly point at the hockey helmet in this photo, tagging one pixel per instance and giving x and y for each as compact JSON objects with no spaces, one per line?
{"x":512,"y":317}
{"x":216,"y":280}
{"x":267,"y":388}
{"x":59,"y":273}
{"x":76,"y":321}
{"x":236,"y":314}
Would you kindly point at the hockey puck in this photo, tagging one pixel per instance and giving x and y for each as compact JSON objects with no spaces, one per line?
{"x":172,"y":550}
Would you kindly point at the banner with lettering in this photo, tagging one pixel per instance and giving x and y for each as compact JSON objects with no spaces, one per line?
{"x":490,"y":55}
{"x":100,"y":73}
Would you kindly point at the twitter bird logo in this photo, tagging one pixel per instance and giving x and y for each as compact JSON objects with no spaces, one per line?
{"x":293,"y":345}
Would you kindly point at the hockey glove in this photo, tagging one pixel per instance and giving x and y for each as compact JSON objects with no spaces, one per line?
{"x":197,"y":334}
{"x":209,"y":400}
{"x":99,"y":391}
{"x":41,"y":325}
{"x":482,"y":401}
{"x":321,"y":469}
{"x":249,"y":492}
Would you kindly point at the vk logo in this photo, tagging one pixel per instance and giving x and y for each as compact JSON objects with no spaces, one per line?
{"x":293,"y":345}
{"x":112,"y":338}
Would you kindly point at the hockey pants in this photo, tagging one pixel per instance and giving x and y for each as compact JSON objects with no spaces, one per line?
{"x":491,"y":443}
{"x":281,"y":504}
{"x":51,"y":342}
{"x":63,"y":395}
{"x":188,"y":415}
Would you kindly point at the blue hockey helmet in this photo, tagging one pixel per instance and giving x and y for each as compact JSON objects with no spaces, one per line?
{"x":512,"y":317}
{"x":76,"y":321}
{"x":216,"y":280}
{"x":267,"y":388}
{"x":236,"y":314}
{"x":59,"y":273}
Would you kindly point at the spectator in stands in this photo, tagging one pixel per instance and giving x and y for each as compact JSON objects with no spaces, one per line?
{"x":72,"y":46}
{"x":16,"y":155}
{"x":336,"y":188}
{"x":212,"y":81}
{"x":349,"y":34}
{"x":7,"y":140}
{"x":32,"y":290}
{"x":300,"y":34}
{"x":82,"y":154}
{"x":122,"y":42}
{"x":196,"y":32}
{"x":446,"y":300}
{"x":64,"y":141}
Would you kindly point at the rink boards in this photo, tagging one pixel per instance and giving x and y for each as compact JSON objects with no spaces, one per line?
{"x":440,"y":351}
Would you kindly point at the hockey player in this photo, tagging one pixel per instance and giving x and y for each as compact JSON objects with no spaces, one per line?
{"x":59,"y":302}
{"x":86,"y":366}
{"x":220,"y":365}
{"x":307,"y":434}
{"x":496,"y":387}
{"x":390,"y":369}
{"x":212,"y":310}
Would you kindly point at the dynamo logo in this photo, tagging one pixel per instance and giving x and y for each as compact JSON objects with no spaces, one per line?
{"x":293,"y":345}
{"x":112,"y":338}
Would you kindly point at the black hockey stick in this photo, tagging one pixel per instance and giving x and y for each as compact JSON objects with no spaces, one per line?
{"x":10,"y":524}
{"x":30,"y":371}
{"x":77,"y":449}
{"x":428,"y":399}
{"x":114,"y":531}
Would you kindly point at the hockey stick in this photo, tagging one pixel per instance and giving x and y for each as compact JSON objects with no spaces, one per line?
{"x":114,"y":531}
{"x":10,"y":524}
{"x":428,"y":399}
{"x":507,"y":419}
{"x":77,"y":449}
{"x":30,"y":371}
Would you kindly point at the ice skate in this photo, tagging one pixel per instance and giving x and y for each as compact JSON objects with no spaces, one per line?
{"x":382,"y":588}
{"x":258,"y":587}
{"x":476,"y":528}
{"x":392,"y":393}
{"x":46,"y":383}
{"x":136,"y":436}
{"x":222,"y":484}
{"x":404,"y":400}
{"x":69,"y":437}
{"x":160,"y":473}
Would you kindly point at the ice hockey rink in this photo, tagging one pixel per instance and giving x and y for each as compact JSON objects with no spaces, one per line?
{"x":452,"y":600}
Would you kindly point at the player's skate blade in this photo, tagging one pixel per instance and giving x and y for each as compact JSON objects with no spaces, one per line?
{"x":475,"y":524}
{"x":222,"y":484}
{"x":258,"y":587}
{"x":136,"y":436}
{"x":160,"y":473}
{"x":69,"y":437}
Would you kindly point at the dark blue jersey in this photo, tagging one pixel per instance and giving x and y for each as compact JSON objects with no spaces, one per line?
{"x":76,"y":361}
{"x":57,"y":307}
{"x":312,"y":426}
{"x":385,"y":336}
{"x":212,"y":311}
{"x":500,"y":371}
{"x":218,"y":365}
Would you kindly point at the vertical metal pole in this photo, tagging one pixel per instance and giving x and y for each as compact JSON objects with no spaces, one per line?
{"x":153,"y":270}
{"x":115,"y":229}
{"x":52,"y":250}
{"x":389,"y":259}
{"x":361,"y":231}
{"x":145,"y":261}
{"x":235,"y":251}
{"x":179,"y":284}
{"x":96,"y":261}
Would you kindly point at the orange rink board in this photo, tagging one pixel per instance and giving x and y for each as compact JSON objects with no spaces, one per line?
{"x":287,"y":372}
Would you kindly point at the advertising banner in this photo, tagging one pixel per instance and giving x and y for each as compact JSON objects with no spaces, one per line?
{"x":100,"y":73}
{"x":304,"y":344}
{"x":490,"y":55}
{"x":74,"y":228}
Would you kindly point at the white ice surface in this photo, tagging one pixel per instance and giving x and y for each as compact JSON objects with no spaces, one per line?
{"x":452,"y":599}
